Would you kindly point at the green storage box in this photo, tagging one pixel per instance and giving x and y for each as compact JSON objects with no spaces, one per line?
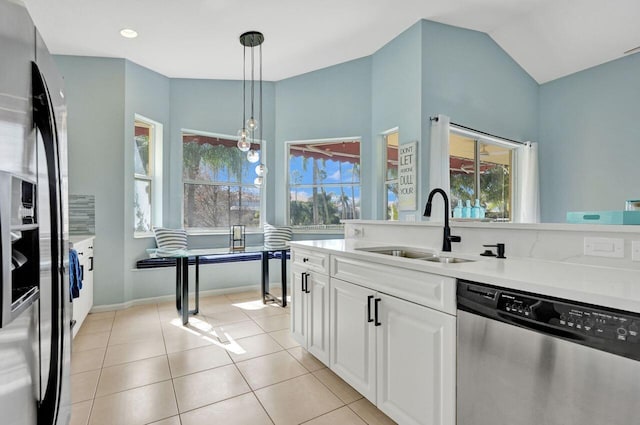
{"x":604,"y":217}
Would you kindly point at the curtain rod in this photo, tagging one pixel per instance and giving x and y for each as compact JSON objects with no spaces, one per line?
{"x":480,"y":132}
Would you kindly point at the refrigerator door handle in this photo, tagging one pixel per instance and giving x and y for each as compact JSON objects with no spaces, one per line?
{"x":44,"y":121}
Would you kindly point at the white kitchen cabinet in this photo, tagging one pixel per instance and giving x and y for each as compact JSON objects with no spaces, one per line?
{"x":398,"y":354}
{"x":298,"y":311}
{"x":353,"y":336}
{"x":415,"y":351}
{"x":310,"y":303}
{"x":83,"y":304}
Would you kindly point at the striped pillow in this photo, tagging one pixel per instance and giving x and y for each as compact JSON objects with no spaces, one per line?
{"x":170,"y":239}
{"x":276,"y":237}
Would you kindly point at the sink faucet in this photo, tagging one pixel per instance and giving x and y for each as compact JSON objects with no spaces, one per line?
{"x":447,"y":239}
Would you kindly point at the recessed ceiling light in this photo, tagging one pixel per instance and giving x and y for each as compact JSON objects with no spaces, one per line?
{"x":128,"y":33}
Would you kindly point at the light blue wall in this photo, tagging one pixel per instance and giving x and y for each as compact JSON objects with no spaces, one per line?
{"x":396,"y":80}
{"x":147,"y":94}
{"x":95,"y":95}
{"x":584,"y":122}
{"x":213,"y":106}
{"x":468,"y":77}
{"x":590,"y":139}
{"x":328,"y":103}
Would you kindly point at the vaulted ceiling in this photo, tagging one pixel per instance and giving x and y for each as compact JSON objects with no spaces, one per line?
{"x":199,"y":38}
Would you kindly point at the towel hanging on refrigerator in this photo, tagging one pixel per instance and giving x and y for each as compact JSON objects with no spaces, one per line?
{"x":75,"y":274}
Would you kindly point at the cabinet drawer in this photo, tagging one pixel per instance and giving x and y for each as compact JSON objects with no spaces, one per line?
{"x":312,"y":260}
{"x":438,"y":292}
{"x":84,"y":248}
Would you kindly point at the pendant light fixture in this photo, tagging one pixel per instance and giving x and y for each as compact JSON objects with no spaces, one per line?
{"x":253,"y":124}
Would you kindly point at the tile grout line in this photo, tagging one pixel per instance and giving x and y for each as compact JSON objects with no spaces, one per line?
{"x":233,"y":361}
{"x":95,"y":391}
{"x":173,"y":386}
{"x":254,"y":394}
{"x":325,"y":413}
{"x":357,"y":414}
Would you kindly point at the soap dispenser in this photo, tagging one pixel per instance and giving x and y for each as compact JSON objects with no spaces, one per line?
{"x":466,"y":211}
{"x":475,"y":211}
{"x":457,"y":211}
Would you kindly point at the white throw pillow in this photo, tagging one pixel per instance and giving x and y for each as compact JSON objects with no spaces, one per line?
{"x":170,"y":239}
{"x":276,"y":237}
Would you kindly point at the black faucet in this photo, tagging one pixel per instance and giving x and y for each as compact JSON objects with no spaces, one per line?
{"x":447,"y":239}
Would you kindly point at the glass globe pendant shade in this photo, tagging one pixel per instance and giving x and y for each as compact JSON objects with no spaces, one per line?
{"x":261,"y":170}
{"x":258,"y":181}
{"x":252,"y":124}
{"x":243,"y":133}
{"x":253,"y":156}
{"x":243,"y":144}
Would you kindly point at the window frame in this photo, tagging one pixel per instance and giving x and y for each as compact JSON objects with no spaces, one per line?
{"x":337,"y":228}
{"x":155,"y":175}
{"x":183,"y":181}
{"x":385,"y":181}
{"x":478,"y":138}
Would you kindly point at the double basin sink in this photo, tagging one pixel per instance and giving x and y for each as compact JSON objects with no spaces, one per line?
{"x":415,"y":254}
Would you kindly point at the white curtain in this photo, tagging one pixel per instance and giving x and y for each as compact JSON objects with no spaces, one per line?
{"x":439,"y":164}
{"x":527,"y":185}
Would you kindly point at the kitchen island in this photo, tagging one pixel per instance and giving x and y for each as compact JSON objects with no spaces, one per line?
{"x":386,"y":323}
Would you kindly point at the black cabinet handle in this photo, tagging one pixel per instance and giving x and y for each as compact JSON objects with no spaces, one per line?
{"x":377,"y":321}
{"x":91,"y":265}
{"x":369,"y":298}
{"x":303,"y":281}
{"x":304,"y":260}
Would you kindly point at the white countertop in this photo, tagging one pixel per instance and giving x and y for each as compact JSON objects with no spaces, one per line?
{"x":76,"y":239}
{"x":602,"y":286}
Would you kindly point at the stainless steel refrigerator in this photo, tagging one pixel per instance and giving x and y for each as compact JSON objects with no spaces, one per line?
{"x":35,"y":309}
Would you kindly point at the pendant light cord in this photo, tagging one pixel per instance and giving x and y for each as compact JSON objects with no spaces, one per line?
{"x":252,"y":82}
{"x":244,"y":86}
{"x":261,"y":122}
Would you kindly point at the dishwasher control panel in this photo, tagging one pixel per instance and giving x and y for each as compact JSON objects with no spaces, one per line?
{"x":602,"y":328}
{"x":603,"y":324}
{"x":572,"y":317}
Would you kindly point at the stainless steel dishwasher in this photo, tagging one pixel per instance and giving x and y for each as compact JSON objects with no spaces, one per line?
{"x":527,"y":359}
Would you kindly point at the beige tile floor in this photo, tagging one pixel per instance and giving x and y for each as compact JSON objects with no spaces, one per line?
{"x":235,"y":363}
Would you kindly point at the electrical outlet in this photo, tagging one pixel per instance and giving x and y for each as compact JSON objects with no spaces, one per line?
{"x":635,"y":251}
{"x":604,"y":247}
{"x":410,"y":217}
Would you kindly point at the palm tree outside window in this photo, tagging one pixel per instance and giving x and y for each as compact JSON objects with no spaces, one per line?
{"x":324,"y":183}
{"x":218,"y":183}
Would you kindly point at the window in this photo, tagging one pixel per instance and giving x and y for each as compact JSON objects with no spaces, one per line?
{"x":391,"y":175}
{"x":147,"y":161}
{"x":482,"y":170}
{"x":218,"y":181}
{"x":324,"y":183}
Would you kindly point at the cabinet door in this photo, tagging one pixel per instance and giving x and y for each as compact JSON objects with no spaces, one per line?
{"x":352,"y":337}
{"x":318,"y":317}
{"x":87,"y":284}
{"x":416,"y":363}
{"x":298,"y":307}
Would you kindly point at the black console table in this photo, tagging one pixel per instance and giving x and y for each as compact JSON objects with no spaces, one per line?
{"x":182,"y":258}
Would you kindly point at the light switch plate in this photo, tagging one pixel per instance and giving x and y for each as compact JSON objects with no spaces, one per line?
{"x":635,"y":251}
{"x":604,"y":247}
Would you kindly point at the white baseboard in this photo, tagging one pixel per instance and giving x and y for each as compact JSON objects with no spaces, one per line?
{"x":165,"y":298}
